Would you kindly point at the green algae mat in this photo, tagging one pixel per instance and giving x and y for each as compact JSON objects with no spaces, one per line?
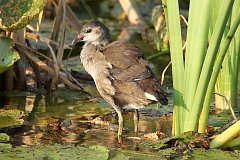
{"x":10,"y":118}
{"x":71,"y":152}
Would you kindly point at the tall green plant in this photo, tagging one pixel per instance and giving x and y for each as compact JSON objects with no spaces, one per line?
{"x":235,"y":57}
{"x":228,"y":76}
{"x":208,"y":63}
{"x":201,"y":65}
{"x":226,"y":42}
{"x":197,"y":55}
{"x":177,"y":62}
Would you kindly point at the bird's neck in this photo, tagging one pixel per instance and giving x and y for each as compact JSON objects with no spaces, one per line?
{"x":101,"y":42}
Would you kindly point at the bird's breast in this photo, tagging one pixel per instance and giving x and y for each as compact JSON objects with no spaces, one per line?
{"x":97,"y":66}
{"x":93,"y":61}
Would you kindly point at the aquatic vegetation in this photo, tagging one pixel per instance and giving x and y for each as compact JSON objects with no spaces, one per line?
{"x":10,"y":118}
{"x":7,"y":55}
{"x":19,"y":13}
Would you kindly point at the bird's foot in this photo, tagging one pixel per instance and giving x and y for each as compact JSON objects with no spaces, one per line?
{"x":120,"y":141}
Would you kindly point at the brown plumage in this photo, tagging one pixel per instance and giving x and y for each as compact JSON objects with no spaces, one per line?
{"x":120,"y":72}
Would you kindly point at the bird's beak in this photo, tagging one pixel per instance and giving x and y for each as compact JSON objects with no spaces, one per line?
{"x":79,"y":38}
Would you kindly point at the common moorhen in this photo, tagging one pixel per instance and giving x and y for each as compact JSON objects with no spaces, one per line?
{"x":119,"y":70}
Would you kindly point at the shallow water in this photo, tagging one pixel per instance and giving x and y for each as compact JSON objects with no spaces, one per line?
{"x":67,"y":116}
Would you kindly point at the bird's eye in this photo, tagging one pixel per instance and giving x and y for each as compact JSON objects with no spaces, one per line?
{"x":88,"y":31}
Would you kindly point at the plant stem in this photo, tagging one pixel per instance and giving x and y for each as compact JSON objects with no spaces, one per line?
{"x":188,"y":58}
{"x":226,"y":136}
{"x":208,"y":64}
{"x":235,"y":58}
{"x":177,"y":61}
{"x":198,"y":48}
{"x":216,"y":68}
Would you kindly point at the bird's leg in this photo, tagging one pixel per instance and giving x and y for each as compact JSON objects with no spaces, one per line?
{"x":120,"y":123}
{"x":136,"y":121}
{"x":120,"y":126}
{"x":120,"y":120}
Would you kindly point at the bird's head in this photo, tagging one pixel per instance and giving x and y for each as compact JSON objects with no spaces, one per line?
{"x":93,"y":32}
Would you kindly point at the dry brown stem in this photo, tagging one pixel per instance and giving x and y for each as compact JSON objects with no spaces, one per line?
{"x":29,"y":53}
{"x":131,"y":11}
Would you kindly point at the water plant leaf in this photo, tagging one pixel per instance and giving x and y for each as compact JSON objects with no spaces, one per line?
{"x":161,"y":144}
{"x":5,"y":146}
{"x":202,"y":154}
{"x":7,"y":54}
{"x":120,"y":154}
{"x":11,"y":118}
{"x":4,"y":137}
{"x":17,"y":14}
{"x":56,"y":152}
{"x":219,"y":120}
{"x":16,"y":93}
{"x":68,"y":94}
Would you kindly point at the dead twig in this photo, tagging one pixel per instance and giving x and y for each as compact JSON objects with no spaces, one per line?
{"x":164,"y":71}
{"x":53,"y":85}
{"x":29,"y":53}
{"x":72,"y":19}
{"x":72,"y":78}
{"x":57,"y":21}
{"x":184,"y":46}
{"x":54,"y":82}
{"x":184,"y":19}
{"x":54,"y":37}
{"x":39,"y":37}
{"x":228,"y":104}
{"x":59,"y":27}
{"x":69,"y":75}
{"x":226,"y":126}
{"x":20,"y":65}
{"x":39,"y":22}
{"x":131,"y":11}
{"x":62,"y":35}
{"x":88,"y":9}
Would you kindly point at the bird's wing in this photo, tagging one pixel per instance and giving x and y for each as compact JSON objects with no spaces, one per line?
{"x":127,"y":61}
{"x":129,"y":67}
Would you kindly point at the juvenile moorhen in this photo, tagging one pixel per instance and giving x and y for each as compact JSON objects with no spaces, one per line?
{"x":120,"y":72}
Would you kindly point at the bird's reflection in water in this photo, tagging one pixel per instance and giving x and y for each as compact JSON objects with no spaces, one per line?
{"x":52,"y":130}
{"x":62,"y":122}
